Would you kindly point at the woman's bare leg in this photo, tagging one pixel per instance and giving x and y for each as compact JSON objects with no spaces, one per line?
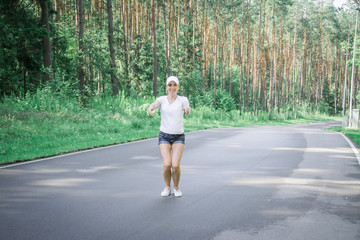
{"x":177,"y":150}
{"x":165,"y":150}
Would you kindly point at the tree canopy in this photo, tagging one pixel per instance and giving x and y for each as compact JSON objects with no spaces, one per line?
{"x":251,"y":55}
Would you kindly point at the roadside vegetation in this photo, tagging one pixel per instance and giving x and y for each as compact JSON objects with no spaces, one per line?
{"x":48,"y":123}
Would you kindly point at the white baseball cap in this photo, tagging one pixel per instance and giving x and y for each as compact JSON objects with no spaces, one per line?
{"x":172,"y":78}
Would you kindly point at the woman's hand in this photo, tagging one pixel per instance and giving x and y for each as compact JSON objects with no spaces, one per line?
{"x":149,"y":111}
{"x":152,"y":107}
{"x":186,"y":108}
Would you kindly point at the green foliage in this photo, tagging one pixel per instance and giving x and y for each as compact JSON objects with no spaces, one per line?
{"x":21,"y":50}
{"x":223,"y":100}
{"x":141,"y":76}
{"x":20,"y":47}
{"x":327,"y":104}
{"x":65,"y":54}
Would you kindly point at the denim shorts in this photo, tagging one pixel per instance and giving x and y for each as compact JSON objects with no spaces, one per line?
{"x":171,"y":138}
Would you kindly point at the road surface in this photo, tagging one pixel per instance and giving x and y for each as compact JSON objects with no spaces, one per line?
{"x":284,"y":182}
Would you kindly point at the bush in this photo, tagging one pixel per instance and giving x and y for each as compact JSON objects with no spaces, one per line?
{"x":223,"y":100}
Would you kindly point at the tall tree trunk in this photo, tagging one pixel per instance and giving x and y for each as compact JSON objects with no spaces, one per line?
{"x":294,"y":60}
{"x":114,"y":80}
{"x":122,"y":9}
{"x":185,"y":12}
{"x":353,"y":71}
{"x":194,"y":23}
{"x":285,"y":76}
{"x":265,"y":62}
{"x":273,"y":68}
{"x":178,"y":24}
{"x":81,"y":13}
{"x":280,"y":66}
{"x":248,"y":62}
{"x":345,"y":77}
{"x":304,"y":63}
{"x":146,"y":21}
{"x":168,"y":72}
{"x":254,"y":75}
{"x":130,"y":17}
{"x":314,"y":82}
{"x":46,"y":40}
{"x":215,"y":50}
{"x":169,"y":33}
{"x":231,"y":57}
{"x":303,"y":76}
{"x":153,"y":36}
{"x":203,"y":65}
{"x":309,"y":82}
{"x":241,"y":54}
{"x":289,"y":72}
{"x":258,"y":67}
{"x":318,"y":92}
{"x":59,"y":7}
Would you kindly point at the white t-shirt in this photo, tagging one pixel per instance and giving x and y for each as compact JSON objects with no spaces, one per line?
{"x":172,"y":115}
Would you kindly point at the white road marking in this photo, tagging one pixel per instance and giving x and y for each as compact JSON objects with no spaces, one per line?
{"x":352,"y":146}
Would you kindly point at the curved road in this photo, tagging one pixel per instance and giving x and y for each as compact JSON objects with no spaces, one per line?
{"x":284,"y":182}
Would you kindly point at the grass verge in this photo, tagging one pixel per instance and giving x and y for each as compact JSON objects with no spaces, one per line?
{"x":44,"y":125}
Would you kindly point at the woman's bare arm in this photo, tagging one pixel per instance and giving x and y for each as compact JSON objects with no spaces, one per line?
{"x":152,"y":107}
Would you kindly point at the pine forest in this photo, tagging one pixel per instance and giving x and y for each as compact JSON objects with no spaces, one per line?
{"x":247,"y":55}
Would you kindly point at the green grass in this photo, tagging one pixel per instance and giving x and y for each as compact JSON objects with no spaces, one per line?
{"x":45,"y":124}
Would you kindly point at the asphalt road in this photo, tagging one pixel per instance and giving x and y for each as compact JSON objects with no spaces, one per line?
{"x":287,"y":182}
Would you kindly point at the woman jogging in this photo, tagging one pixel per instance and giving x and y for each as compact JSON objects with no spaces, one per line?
{"x":171,"y":136}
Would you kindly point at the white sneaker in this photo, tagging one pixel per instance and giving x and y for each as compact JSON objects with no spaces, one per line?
{"x":177,"y":192}
{"x":166,"y":192}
